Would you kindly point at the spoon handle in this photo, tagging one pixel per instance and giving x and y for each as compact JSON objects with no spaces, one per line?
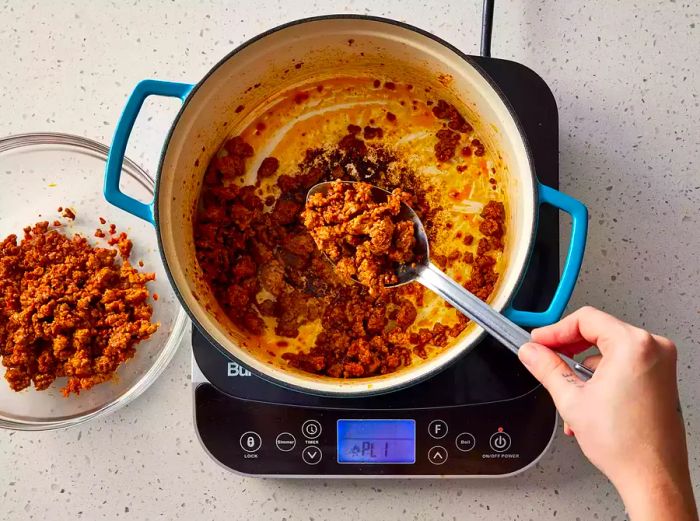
{"x":506,"y":332}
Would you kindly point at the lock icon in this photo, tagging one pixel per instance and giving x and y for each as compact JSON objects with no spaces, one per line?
{"x":250,"y":441}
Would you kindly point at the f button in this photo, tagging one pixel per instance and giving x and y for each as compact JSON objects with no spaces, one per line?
{"x":437,"y":429}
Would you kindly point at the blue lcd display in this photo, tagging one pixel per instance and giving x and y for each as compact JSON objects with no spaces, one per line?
{"x":376,"y":441}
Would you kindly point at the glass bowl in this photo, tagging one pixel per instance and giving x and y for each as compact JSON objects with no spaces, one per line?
{"x":38,"y":174}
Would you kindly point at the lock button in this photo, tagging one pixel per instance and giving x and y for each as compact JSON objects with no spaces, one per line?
{"x":251,"y":441}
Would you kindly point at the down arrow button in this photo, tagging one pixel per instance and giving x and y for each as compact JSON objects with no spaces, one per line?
{"x":311,"y":455}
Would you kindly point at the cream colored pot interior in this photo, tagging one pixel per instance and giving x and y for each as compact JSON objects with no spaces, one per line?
{"x":257,"y":72}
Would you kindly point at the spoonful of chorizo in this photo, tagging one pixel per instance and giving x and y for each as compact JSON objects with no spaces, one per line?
{"x":374,"y":237}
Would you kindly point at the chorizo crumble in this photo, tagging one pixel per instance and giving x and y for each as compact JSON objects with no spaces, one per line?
{"x":269,"y":277}
{"x":365,"y":239}
{"x":68,"y":309}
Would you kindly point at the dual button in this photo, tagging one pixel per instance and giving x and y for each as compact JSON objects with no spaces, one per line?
{"x":437,"y":429}
{"x":311,"y":429}
{"x":311,"y":454}
{"x":499,"y":441}
{"x":251,"y":441}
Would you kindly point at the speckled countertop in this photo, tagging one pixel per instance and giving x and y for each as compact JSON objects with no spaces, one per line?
{"x":626,"y":79}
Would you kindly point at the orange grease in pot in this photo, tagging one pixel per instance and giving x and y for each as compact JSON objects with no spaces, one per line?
{"x":266,"y":273}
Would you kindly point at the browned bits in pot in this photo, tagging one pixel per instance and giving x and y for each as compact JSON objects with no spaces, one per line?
{"x":237,"y":147}
{"x":389,"y":85}
{"x":352,"y":146}
{"x":446,"y":145}
{"x":301,"y":97}
{"x":99,"y":233}
{"x":376,"y":83}
{"x":112,"y":229}
{"x":285,"y":211}
{"x":455,"y":120}
{"x":479,"y":149}
{"x":466,"y":151}
{"x":102,"y":220}
{"x":493,"y":216}
{"x":439,"y":260}
{"x":67,"y":310}
{"x":390,"y":116}
{"x":239,"y":108}
{"x":69,"y":214}
{"x":232,"y":165}
{"x":454,"y":255}
{"x":494,"y":210}
{"x":56,"y":224}
{"x":268,"y":167}
{"x":484,"y":277}
{"x":373,"y":132}
{"x":354,"y":129}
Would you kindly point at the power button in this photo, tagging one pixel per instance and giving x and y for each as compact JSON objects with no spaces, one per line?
{"x":500,"y":441}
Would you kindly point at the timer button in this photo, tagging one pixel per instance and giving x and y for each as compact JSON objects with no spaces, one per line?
{"x":311,"y":429}
{"x":285,"y":441}
{"x":437,"y":429}
{"x":251,"y":441}
{"x":465,"y":441}
{"x":437,"y":455}
{"x":312,"y":455}
{"x":500,"y":441}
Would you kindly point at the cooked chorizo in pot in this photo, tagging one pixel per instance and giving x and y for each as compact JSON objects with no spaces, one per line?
{"x":264,"y":268}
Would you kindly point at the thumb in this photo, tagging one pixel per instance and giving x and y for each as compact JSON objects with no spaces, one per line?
{"x":551,"y":371}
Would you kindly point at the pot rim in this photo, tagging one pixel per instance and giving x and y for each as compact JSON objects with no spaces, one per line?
{"x":366,"y":391}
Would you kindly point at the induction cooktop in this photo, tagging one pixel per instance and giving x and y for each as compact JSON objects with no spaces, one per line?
{"x":482,"y":416}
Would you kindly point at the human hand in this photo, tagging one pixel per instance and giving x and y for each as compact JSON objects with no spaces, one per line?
{"x":627,"y":417}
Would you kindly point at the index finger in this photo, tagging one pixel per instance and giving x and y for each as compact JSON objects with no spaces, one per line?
{"x":586,"y":325}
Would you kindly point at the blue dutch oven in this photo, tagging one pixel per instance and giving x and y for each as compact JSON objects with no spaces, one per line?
{"x":264,"y":66}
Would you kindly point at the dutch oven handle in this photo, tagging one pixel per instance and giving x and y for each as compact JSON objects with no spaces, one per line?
{"x":115,"y":158}
{"x":572,"y":265}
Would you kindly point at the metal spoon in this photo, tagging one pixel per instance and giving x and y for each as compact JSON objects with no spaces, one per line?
{"x":425,"y":272}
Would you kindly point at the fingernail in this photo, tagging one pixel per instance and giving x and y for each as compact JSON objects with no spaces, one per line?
{"x":528,"y":353}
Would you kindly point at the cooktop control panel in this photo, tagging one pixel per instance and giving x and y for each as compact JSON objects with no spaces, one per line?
{"x":277,"y":440}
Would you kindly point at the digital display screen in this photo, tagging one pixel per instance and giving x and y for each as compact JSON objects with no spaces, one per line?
{"x":376,"y":441}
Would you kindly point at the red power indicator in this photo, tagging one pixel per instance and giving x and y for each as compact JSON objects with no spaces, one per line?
{"x":500,"y":429}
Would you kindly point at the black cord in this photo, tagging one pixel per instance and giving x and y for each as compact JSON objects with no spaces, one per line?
{"x":486,"y":26}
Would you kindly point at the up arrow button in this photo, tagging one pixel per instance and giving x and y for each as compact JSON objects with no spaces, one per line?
{"x":437,"y":455}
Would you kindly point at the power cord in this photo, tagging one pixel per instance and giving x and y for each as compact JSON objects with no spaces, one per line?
{"x":486,"y":26}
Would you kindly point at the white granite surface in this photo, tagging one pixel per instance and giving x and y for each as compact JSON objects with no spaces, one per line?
{"x":625,"y":75}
